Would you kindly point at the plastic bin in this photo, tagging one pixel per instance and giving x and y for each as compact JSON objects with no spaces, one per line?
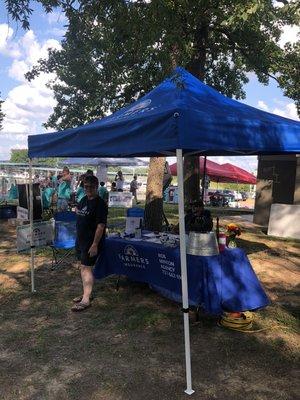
{"x":8,"y":212}
{"x":135,"y":212}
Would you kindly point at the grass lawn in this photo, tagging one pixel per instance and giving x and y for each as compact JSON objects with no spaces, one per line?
{"x":129,"y":344}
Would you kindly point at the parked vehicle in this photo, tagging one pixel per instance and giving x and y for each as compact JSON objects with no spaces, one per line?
{"x":228,"y":192}
{"x":220,"y":200}
{"x":244,"y":196}
{"x":237,"y":196}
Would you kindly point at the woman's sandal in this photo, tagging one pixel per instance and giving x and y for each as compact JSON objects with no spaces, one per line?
{"x":80,"y":307}
{"x":79,"y":298}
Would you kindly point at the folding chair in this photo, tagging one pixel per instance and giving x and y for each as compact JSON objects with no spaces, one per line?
{"x":64,"y":237}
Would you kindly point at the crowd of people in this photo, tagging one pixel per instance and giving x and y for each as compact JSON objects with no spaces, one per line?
{"x":65,"y":188}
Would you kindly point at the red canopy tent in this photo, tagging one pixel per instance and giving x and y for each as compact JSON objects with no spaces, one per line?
{"x":221,"y":173}
{"x":239,"y":175}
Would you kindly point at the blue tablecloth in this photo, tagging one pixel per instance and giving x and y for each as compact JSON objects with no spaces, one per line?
{"x":223,"y":282}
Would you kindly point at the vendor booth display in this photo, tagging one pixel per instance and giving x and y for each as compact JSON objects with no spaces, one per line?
{"x":180,"y":116}
{"x":212,"y":280}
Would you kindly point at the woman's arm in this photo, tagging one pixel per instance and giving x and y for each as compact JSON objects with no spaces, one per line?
{"x":93,"y":251}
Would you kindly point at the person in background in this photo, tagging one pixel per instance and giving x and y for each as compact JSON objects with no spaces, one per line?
{"x":113,"y":187}
{"x":73,"y":182}
{"x":80,"y":190}
{"x":103,"y":192}
{"x":53,"y":180}
{"x":119,"y":181}
{"x":64,"y":190}
{"x":198,"y":219}
{"x":91,"y":223}
{"x":89,"y":172}
{"x":47,"y":194}
{"x":13,"y":193}
{"x":134,"y":187}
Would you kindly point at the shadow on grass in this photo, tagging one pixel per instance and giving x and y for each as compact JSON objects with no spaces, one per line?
{"x":251,"y":247}
{"x":129,"y":341}
{"x":129,"y":346}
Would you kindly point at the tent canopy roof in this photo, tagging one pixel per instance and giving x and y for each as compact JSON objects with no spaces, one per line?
{"x":180,"y":113}
{"x":240,"y":175}
{"x":128,"y":162}
{"x":221,"y":173}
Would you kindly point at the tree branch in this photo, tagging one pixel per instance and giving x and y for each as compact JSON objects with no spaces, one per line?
{"x":245,"y":54}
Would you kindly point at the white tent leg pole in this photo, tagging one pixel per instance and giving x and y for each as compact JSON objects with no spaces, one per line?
{"x":185,"y":298}
{"x":31,"y":226}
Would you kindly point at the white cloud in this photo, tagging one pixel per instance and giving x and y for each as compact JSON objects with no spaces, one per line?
{"x":17,"y":70}
{"x":262,"y":105}
{"x":287,"y":110}
{"x":8,"y":46}
{"x":29,"y":104}
{"x":290,"y":33}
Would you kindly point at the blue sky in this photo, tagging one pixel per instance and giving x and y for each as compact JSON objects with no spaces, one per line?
{"x":28,"y":105}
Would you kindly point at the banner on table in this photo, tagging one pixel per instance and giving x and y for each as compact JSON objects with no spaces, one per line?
{"x":120,"y":199}
{"x":222,"y":282}
{"x":22,"y":213}
{"x":43,"y":235}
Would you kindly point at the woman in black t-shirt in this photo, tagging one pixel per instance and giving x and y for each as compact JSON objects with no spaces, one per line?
{"x":91,"y":223}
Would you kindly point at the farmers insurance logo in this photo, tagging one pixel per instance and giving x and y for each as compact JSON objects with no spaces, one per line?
{"x":130,"y":251}
{"x":141,"y":107}
{"x":131,"y":258}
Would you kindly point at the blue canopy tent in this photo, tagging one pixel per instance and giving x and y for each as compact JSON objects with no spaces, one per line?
{"x":184,"y":116}
{"x":180,"y":113}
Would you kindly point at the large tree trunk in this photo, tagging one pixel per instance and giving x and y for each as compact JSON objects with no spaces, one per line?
{"x":191,"y":163}
{"x":154,"y":194}
{"x":191,"y":179}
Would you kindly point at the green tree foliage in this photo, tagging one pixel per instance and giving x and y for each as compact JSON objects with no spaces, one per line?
{"x":21,"y":156}
{"x":114,"y":51}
